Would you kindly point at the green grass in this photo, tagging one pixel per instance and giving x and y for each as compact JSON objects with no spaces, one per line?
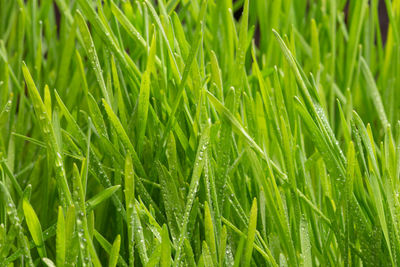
{"x":171,"y":133}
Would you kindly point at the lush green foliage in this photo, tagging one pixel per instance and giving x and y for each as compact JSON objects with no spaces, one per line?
{"x":159,"y":133}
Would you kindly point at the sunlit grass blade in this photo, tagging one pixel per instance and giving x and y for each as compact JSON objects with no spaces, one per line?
{"x":209,"y":233}
{"x":34,"y":227}
{"x":165,"y":260}
{"x":81,"y":220}
{"x":374,"y":93}
{"x":251,"y":231}
{"x":102,"y":196}
{"x":130,"y":205}
{"x":114,"y":252}
{"x":60,"y":238}
{"x":48,"y":262}
{"x":144,"y":94}
{"x":92,"y":54}
{"x":194,"y":183}
{"x":47,"y":129}
{"x":108,"y":247}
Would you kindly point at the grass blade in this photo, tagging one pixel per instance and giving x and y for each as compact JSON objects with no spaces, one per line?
{"x":374,"y":93}
{"x":114,"y":252}
{"x":60,"y":238}
{"x":251,"y":231}
{"x":165,"y":260}
{"x":34,"y":227}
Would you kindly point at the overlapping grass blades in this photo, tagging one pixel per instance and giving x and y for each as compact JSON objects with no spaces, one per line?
{"x":199,"y":133}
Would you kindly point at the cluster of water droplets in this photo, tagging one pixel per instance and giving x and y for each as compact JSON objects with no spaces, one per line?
{"x":195,"y":184}
{"x":83,"y":243}
{"x":13,"y":215}
{"x":97,"y":69}
{"x":43,"y":119}
{"x":202,"y":151}
{"x":7,"y":107}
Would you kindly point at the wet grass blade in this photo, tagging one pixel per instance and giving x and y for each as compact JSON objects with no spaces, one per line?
{"x":60,"y":238}
{"x":34,"y":227}
{"x":194,"y":183}
{"x":165,"y":259}
{"x":130,"y":204}
{"x":209,"y":233}
{"x":114,"y":252}
{"x":251,"y":231}
{"x":144,"y":94}
{"x":374,"y":93}
{"x":48,"y":131}
{"x":92,"y":54}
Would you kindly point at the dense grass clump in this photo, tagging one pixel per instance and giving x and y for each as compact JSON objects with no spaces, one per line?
{"x":199,"y":133}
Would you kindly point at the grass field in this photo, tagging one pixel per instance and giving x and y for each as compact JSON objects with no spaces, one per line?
{"x":199,"y":133}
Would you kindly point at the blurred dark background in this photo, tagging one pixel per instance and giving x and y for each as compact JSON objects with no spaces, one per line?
{"x":382,"y":12}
